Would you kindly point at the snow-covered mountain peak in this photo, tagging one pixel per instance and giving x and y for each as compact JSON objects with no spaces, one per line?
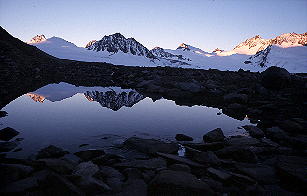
{"x":117,"y":42}
{"x":184,"y":46}
{"x":217,"y":50}
{"x":290,"y":39}
{"x":37,"y":39}
{"x":252,"y":45}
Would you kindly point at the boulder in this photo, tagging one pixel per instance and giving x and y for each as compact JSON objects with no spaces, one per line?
{"x":3,"y":114}
{"x":235,"y":110}
{"x":238,"y":153}
{"x":86,"y":169}
{"x":275,"y":78}
{"x":218,"y":174}
{"x":180,"y":167}
{"x":134,"y":187}
{"x":182,"y":137}
{"x":150,"y":145}
{"x":292,"y":127}
{"x":108,"y":172}
{"x":8,"y":146}
{"x":215,"y":135}
{"x":8,"y":133}
{"x":276,"y":134}
{"x":51,"y":152}
{"x":261,"y":173}
{"x":13,"y":172}
{"x":179,"y":159}
{"x":207,"y":158}
{"x":236,"y":98}
{"x":61,"y":166}
{"x":21,"y":186}
{"x":254,"y":131}
{"x":154,"y":163}
{"x":242,"y":141}
{"x":292,"y":171}
{"x":192,"y":87}
{"x":90,"y":154}
{"x":168,"y":182}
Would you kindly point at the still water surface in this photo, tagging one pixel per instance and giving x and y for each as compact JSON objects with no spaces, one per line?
{"x":67,"y":116}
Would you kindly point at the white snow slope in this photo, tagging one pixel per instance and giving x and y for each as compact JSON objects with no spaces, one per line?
{"x":293,"y":57}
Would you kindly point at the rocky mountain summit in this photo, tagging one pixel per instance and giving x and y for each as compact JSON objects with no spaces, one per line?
{"x":257,"y":43}
{"x":37,"y":39}
{"x":117,"y":42}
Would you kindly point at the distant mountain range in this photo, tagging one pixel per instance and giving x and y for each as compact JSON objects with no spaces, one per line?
{"x":287,"y":50}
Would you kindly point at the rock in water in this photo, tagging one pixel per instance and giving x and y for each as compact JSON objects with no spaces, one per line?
{"x":182,"y":137}
{"x":169,"y":182}
{"x":215,"y":135}
{"x":275,"y":78}
{"x":8,"y":133}
{"x":51,"y":152}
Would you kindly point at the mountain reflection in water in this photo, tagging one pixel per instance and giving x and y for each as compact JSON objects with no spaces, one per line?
{"x":113,"y":98}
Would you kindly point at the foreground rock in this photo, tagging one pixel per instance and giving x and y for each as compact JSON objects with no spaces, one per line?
{"x":8,"y":133}
{"x":150,"y":146}
{"x":179,"y":159}
{"x":275,"y":78}
{"x":51,"y":152}
{"x":182,"y":137}
{"x":87,"y":155}
{"x":154,"y":163}
{"x":215,"y":135}
{"x":169,"y":182}
{"x":254,"y":131}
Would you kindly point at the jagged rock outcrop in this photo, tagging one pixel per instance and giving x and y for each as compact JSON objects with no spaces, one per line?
{"x":117,"y":42}
{"x":90,"y":43}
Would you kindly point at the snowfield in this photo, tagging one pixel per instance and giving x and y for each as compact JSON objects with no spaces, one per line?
{"x":247,"y":56}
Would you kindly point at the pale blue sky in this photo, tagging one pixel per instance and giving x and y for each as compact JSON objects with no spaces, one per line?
{"x":206,"y":24}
